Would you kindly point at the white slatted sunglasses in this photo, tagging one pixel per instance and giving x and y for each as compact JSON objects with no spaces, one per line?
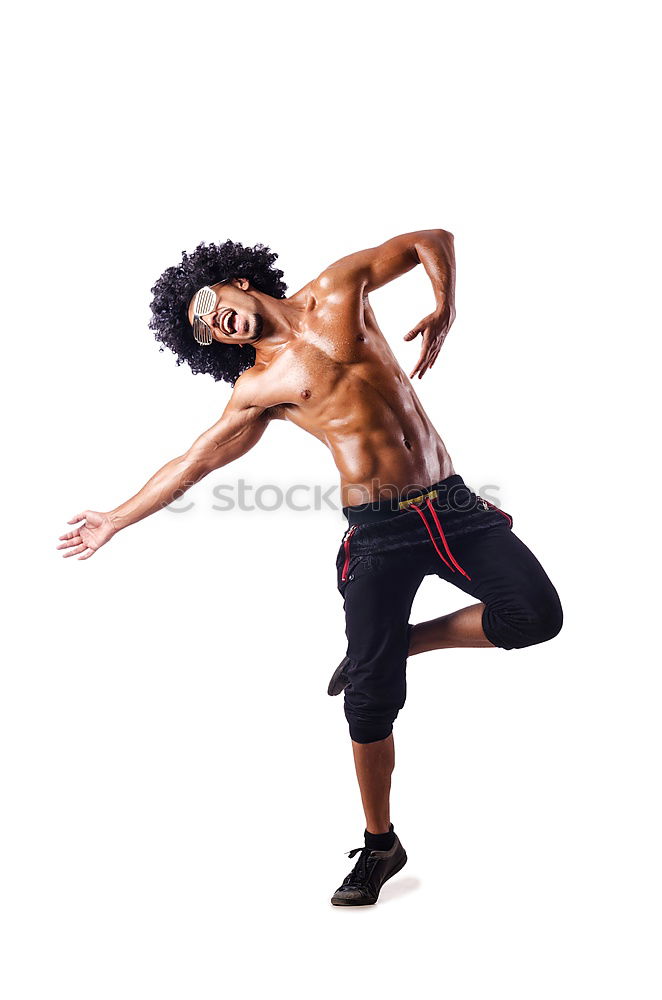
{"x":205,"y":302}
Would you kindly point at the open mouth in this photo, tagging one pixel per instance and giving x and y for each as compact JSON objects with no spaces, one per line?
{"x":229,"y":322}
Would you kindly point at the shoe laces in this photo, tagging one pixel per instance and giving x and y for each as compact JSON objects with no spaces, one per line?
{"x":363,"y":868}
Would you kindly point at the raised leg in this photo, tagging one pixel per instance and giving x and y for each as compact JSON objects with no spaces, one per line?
{"x":461,"y":629}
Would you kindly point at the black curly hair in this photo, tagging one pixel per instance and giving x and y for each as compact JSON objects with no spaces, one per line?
{"x":208,"y":265}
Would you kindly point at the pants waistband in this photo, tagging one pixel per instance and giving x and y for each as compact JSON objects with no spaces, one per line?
{"x":451,"y":490}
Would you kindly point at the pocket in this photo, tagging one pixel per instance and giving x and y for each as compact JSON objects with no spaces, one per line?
{"x":360,"y":565}
{"x":486,"y":505}
{"x":343,"y":580}
{"x":346,"y":551}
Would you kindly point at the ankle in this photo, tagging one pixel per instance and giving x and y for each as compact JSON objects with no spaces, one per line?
{"x":381,"y":841}
{"x":377,"y":829}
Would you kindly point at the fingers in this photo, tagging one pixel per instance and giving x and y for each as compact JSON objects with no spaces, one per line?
{"x":74,"y":551}
{"x":432,"y":344}
{"x":425,"y":362}
{"x":73,"y":538}
{"x":419,"y":363}
{"x":87,"y":555}
{"x":70,"y":539}
{"x":412,"y":333}
{"x":424,"y":355}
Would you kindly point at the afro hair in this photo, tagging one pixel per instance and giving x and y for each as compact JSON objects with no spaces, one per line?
{"x":208,"y":265}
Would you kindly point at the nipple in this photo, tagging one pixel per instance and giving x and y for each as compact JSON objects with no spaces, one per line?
{"x":305,"y":393}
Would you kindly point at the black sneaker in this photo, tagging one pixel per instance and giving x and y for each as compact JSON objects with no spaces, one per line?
{"x":339,"y":680}
{"x":364,"y":882}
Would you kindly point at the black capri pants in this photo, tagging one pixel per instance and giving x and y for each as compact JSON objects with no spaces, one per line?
{"x":387,"y":550}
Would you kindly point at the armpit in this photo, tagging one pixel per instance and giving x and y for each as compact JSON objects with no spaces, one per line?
{"x":278,"y":412}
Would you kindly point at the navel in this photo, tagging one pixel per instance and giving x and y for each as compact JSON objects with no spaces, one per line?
{"x":360,"y":337}
{"x":407,"y":443}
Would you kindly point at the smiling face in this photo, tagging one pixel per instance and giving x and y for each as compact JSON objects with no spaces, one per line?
{"x":234,"y":319}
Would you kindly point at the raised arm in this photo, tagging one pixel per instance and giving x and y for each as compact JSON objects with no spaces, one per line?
{"x":378,"y":265}
{"x":240,"y":427}
{"x":372,"y":268}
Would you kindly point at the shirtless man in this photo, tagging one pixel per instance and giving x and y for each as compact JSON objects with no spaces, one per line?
{"x":318,"y":359}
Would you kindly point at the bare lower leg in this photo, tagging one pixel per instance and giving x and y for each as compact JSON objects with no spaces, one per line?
{"x":461,"y":629}
{"x":374,"y":764}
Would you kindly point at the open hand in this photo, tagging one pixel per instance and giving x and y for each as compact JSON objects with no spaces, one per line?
{"x":96,"y":531}
{"x":433,"y":329}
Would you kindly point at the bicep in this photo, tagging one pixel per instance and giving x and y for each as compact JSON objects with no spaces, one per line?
{"x":378,"y":265}
{"x":237,"y":431}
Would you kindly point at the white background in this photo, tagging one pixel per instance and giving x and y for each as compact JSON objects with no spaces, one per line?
{"x":177,"y":787}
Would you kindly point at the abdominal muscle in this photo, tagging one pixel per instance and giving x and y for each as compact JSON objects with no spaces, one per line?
{"x":381,"y":439}
{"x":378,"y":467}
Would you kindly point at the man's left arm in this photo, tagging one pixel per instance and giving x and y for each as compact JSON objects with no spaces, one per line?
{"x":372,"y":268}
{"x":437,"y":255}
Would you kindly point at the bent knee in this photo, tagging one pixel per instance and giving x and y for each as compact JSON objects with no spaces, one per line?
{"x":529,"y":625}
{"x":547,"y":622}
{"x":371,"y":725}
{"x":371,"y":714}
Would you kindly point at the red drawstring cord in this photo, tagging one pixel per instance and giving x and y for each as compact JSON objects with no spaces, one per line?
{"x":425,"y":522}
{"x":443,"y":538}
{"x":455,"y":564}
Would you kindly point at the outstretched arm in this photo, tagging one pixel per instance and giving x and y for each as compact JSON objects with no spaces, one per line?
{"x":236,"y":432}
{"x":372,"y":268}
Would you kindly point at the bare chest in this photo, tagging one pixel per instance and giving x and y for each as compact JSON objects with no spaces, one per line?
{"x":341,"y":342}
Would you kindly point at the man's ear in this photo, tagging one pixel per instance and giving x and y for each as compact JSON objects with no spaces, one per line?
{"x":242,"y":283}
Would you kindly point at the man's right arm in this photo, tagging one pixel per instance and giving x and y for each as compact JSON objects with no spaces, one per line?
{"x":240,"y":427}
